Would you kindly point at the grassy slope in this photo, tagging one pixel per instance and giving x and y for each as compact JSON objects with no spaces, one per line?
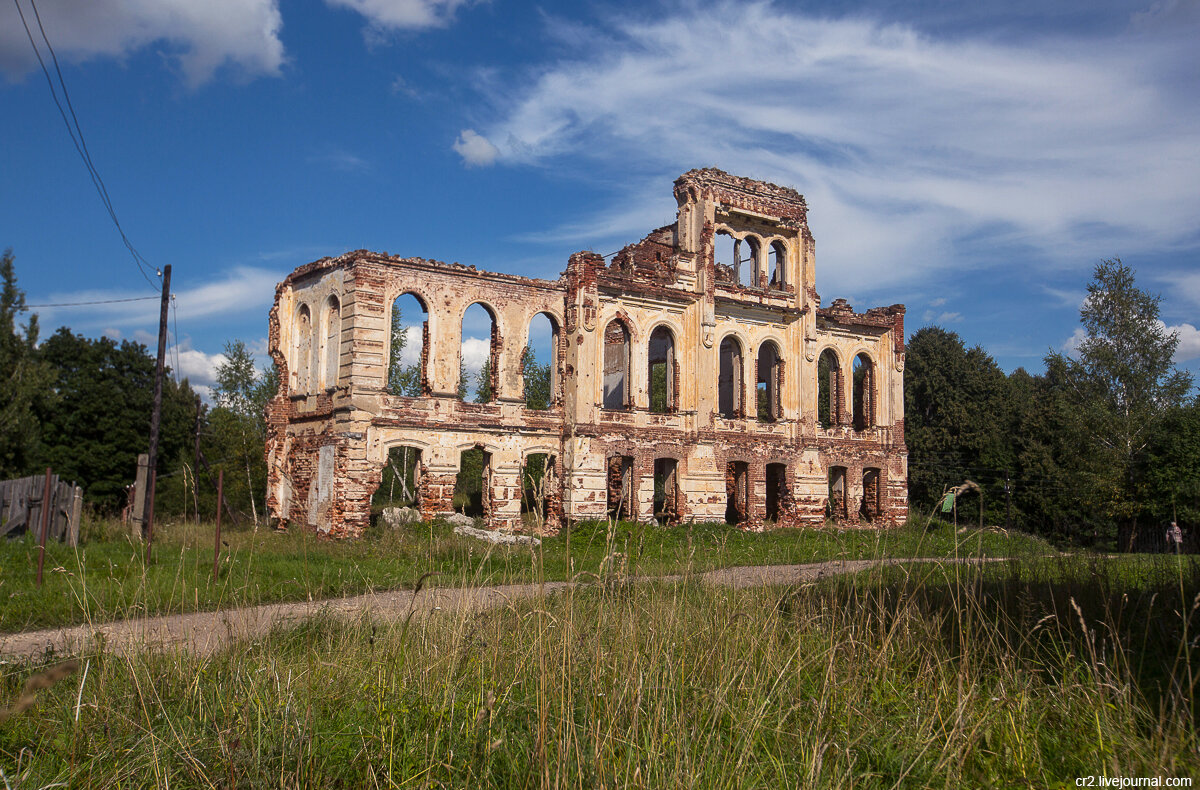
{"x":106,"y":578}
{"x":975,"y":679}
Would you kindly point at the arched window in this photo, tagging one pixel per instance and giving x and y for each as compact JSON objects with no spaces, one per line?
{"x":663,"y":372}
{"x":749,"y":262}
{"x":479,"y":362}
{"x":769,"y":386}
{"x":408,"y":347}
{"x":539,"y":363}
{"x":778,"y":264}
{"x":725,"y":255}
{"x":730,"y":398}
{"x":616,"y":366}
{"x":829,"y":390}
{"x":331,"y":349}
{"x":864,"y":392}
{"x":302,"y":369}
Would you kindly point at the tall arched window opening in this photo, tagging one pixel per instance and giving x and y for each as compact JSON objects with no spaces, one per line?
{"x":737,"y":492}
{"x":666,"y":490}
{"x":864,"y":392}
{"x":663,"y":373}
{"x":778,"y":261}
{"x":729,"y":380}
{"x":616,"y":366}
{"x":473,"y":485}
{"x":408,"y":347}
{"x":478,"y":369}
{"x":539,"y":363}
{"x":769,"y":384}
{"x":400,"y":483}
{"x":779,"y":495}
{"x":749,"y":262}
{"x":302,"y":369}
{"x":331,"y":348}
{"x":725,"y":254}
{"x":829,"y":389}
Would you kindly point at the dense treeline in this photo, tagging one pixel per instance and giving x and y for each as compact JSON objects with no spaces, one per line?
{"x":1103,"y":448}
{"x":82,"y":407}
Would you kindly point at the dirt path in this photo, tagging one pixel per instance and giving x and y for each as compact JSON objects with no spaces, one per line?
{"x":206,"y":632}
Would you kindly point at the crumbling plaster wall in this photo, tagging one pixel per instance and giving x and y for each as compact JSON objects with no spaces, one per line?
{"x":670,"y":280}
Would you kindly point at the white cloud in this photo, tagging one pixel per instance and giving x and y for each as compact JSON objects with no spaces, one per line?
{"x":411,"y":355}
{"x":238,"y":291}
{"x":475,"y":149}
{"x":341,"y":161}
{"x":475,"y":352}
{"x":1189,"y":342}
{"x":112,"y":333}
{"x":941,"y":300}
{"x":909,"y":148}
{"x":941,"y":319}
{"x":201,"y":37}
{"x":199,"y":368}
{"x":402,"y":14}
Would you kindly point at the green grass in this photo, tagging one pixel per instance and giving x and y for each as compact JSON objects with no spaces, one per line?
{"x":1005,"y":676}
{"x":106,"y":578}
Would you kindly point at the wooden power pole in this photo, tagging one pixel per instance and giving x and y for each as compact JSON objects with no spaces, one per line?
{"x":156,"y":412}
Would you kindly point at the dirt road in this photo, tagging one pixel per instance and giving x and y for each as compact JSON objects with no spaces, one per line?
{"x":206,"y":632}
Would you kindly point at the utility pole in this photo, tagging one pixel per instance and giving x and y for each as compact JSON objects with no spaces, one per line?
{"x":196,"y":465}
{"x":156,"y":413}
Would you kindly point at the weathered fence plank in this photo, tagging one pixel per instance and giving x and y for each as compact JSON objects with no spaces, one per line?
{"x":21,"y":507}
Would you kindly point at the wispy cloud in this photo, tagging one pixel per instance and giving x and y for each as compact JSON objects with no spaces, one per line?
{"x":201,"y":37}
{"x":389,"y":15}
{"x":341,"y":161}
{"x":237,"y":291}
{"x":917,"y":153}
{"x":476,"y":150}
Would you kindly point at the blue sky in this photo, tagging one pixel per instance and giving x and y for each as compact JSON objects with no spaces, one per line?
{"x":973,"y":161}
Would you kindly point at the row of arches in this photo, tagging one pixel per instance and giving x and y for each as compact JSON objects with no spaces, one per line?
{"x":831,"y":388}
{"x":752,"y":261}
{"x":479,"y":354}
{"x":318,"y":348}
{"x":318,"y":357}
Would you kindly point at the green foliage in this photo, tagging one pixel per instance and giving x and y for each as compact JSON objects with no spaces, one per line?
{"x":1120,"y":388}
{"x":402,"y":379}
{"x":398,"y":486}
{"x":24,"y":378}
{"x":484,"y":390}
{"x":824,"y":418}
{"x":957,"y":421}
{"x":537,"y":380}
{"x":98,"y":418}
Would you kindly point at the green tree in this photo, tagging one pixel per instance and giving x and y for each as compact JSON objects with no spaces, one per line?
{"x":1122,"y":384}
{"x":537,"y":380}
{"x":402,"y":379}
{"x":238,"y":419}
{"x":1171,"y":468}
{"x":98,"y":420}
{"x":483,"y":383}
{"x":956,"y":405}
{"x":24,"y":379}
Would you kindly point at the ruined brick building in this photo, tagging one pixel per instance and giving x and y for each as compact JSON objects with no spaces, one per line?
{"x":695,"y":376}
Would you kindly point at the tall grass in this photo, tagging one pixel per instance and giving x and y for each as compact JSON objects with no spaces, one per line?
{"x":968,"y":677}
{"x":107,"y":577}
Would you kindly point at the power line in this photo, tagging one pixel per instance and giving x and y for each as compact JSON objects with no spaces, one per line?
{"x":81,"y":304}
{"x":80,"y":143}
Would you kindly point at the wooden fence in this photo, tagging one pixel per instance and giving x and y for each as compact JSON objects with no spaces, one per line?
{"x":21,"y":507}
